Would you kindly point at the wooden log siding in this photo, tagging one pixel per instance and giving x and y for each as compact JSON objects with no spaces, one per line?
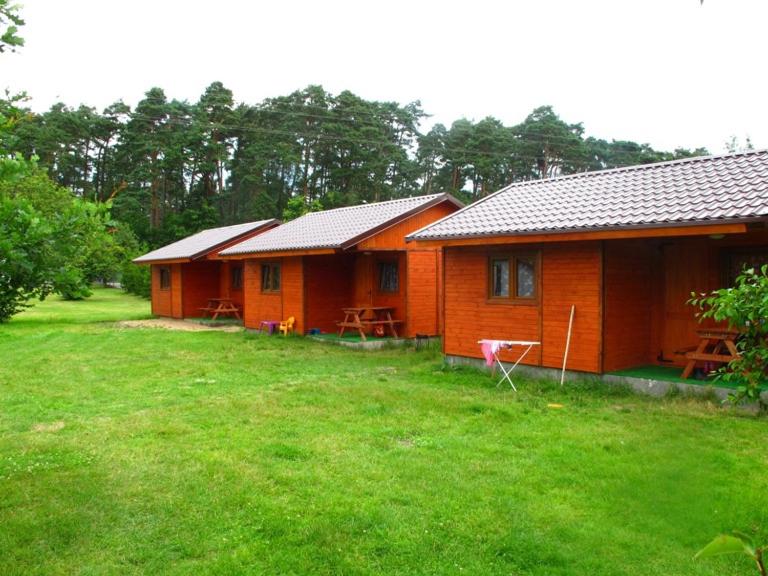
{"x":568,"y":274}
{"x":423,"y":292}
{"x":628,"y":299}
{"x":200,"y":281}
{"x":292,"y":290}
{"x":328,"y":288}
{"x":397,"y":300}
{"x":259,"y":305}
{"x":161,"y":298}
{"x":393,"y":238}
{"x":288,"y":301}
{"x":177,"y":290}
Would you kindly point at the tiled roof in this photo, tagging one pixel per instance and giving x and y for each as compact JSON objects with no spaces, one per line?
{"x":203,"y":242}
{"x":690,"y":191}
{"x":337,"y":228}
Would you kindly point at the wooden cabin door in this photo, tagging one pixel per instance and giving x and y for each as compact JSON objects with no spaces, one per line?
{"x":364,"y":280}
{"x":686,"y":268}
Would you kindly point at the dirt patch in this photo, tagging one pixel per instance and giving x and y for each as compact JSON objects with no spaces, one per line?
{"x":174,"y":324}
{"x":48,"y":427}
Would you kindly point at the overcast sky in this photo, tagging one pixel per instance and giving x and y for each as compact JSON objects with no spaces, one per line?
{"x":667,"y":72}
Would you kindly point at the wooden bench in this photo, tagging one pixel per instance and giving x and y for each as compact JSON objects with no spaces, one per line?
{"x":218,"y":306}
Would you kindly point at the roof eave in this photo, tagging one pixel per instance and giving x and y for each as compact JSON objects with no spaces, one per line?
{"x":691,"y":224}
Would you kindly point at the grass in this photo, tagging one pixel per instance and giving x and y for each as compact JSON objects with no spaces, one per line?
{"x":145,"y":451}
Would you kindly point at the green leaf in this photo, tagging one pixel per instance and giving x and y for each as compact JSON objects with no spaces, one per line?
{"x":725,"y":544}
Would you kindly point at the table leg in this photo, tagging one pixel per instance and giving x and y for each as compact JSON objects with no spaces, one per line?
{"x":732,"y":348}
{"x":360,"y":326}
{"x":692,"y":361}
{"x":391,"y":324}
{"x":342,"y":328}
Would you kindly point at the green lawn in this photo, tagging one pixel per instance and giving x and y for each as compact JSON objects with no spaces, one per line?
{"x":145,"y":451}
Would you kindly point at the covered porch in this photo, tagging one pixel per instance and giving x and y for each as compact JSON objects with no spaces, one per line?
{"x":210,"y":284}
{"x":370,"y":284}
{"x":648,"y":327}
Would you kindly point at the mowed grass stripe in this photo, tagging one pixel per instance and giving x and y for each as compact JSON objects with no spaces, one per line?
{"x":144,"y":451}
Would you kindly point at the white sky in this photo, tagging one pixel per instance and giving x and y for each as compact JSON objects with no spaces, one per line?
{"x":667,"y":72}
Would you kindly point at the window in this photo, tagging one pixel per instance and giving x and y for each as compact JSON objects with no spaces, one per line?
{"x":513,"y":278}
{"x":500,"y":278}
{"x":165,"y":278}
{"x":737,"y":260}
{"x":236,"y":278}
{"x":270,"y":277}
{"x":388,"y":277}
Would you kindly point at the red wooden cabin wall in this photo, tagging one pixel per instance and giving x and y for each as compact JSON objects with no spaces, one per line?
{"x":423,"y":292}
{"x":629,"y":293}
{"x":167,"y":302}
{"x":200,"y":281}
{"x":393,"y":238}
{"x":328,"y":288}
{"x":569,"y":274}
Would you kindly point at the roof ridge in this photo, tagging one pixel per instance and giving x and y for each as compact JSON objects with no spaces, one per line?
{"x":253,"y":222}
{"x":633,"y":168}
{"x":394,"y":200}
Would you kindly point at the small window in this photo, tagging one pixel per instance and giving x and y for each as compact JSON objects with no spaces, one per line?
{"x":165,"y":278}
{"x":236,"y":277}
{"x":500,"y":278}
{"x":513,"y":278}
{"x":270,"y":277}
{"x":525,"y":276}
{"x":388,"y":277}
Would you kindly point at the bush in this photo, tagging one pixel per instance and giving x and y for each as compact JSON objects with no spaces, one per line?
{"x":26,"y":256}
{"x":745,"y":308}
{"x":136,"y":279}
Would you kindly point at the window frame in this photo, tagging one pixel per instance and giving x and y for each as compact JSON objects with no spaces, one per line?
{"x":272,"y":266}
{"x":236,"y":273}
{"x":512,"y":258}
{"x":164,"y":277}
{"x":396,"y":265}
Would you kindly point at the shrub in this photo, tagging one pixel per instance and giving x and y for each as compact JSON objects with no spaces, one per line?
{"x":745,"y":308}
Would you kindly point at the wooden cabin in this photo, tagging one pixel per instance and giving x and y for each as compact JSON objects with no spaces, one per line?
{"x":626,"y":247}
{"x":313,"y":267}
{"x":187,"y":273}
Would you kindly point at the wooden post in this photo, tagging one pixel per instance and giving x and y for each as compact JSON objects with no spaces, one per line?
{"x":567,"y":344}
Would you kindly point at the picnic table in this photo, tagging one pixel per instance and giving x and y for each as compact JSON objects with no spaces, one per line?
{"x":715,"y":345}
{"x":362,"y":318}
{"x":218,"y":306}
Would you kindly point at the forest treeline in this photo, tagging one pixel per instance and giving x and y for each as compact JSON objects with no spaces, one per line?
{"x":170,"y":167}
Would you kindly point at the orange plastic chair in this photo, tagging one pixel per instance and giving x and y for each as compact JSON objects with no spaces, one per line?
{"x":287,"y":326}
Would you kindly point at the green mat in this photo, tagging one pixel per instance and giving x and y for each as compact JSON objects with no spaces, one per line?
{"x":672,"y":374}
{"x":349,"y":337}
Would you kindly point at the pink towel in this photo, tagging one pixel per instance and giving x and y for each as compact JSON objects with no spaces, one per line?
{"x":489,"y":348}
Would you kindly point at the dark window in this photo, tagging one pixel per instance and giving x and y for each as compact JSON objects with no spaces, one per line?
{"x":165,"y":278}
{"x":236,"y":277}
{"x":500,"y":278}
{"x":270,"y":277}
{"x":738,"y":261}
{"x":513,"y":277}
{"x":388,"y":277}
